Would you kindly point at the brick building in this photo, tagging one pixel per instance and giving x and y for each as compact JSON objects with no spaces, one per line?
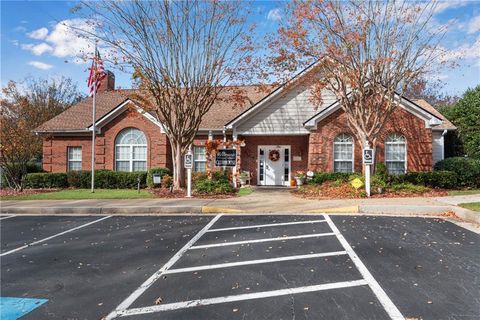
{"x":282,"y":132}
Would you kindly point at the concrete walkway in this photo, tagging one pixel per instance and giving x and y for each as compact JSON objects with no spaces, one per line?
{"x":260,"y":201}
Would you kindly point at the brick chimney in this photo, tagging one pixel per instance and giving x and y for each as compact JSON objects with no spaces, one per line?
{"x":108,"y":83}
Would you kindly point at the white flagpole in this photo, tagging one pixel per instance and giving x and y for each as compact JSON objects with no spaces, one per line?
{"x":93,"y":118}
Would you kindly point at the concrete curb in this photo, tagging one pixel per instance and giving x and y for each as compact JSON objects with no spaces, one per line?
{"x":352,"y":209}
{"x":467,"y":215}
{"x":101,"y":210}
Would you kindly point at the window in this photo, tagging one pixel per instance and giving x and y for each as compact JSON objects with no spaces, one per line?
{"x":199,"y":159}
{"x":74,"y":158}
{"x":131,"y":150}
{"x":395,"y":153}
{"x":343,"y":153}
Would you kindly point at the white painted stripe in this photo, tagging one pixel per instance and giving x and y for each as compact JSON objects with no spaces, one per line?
{"x":8,"y":217}
{"x":233,"y":243}
{"x":54,"y":236}
{"x":387,"y":304}
{"x":241,"y":297}
{"x":154,"y":277}
{"x":267,"y":225}
{"x":259,"y":261}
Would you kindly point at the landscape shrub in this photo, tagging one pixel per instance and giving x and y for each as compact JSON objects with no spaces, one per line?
{"x":467,"y":170}
{"x":321,"y":177}
{"x":434,"y":179}
{"x":218,"y":184}
{"x":34,"y":167}
{"x":161,"y":171}
{"x":45,"y":180}
{"x":104,"y":179}
{"x":407,"y":187}
{"x":167,"y":181}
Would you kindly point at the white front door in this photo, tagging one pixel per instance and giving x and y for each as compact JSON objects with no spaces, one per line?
{"x":274,"y":165}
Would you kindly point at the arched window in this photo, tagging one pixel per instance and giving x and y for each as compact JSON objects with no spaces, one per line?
{"x":343,"y":153}
{"x":396,"y":153}
{"x":131,"y":150}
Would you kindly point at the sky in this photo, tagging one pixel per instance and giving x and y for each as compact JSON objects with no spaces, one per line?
{"x":36,"y":43}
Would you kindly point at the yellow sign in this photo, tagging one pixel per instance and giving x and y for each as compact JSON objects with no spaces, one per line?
{"x":357,"y":183}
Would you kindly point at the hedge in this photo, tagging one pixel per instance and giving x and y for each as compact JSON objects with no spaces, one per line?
{"x":467,"y":170}
{"x":218,"y":184}
{"x":45,"y":180}
{"x":321,"y":177}
{"x":104,"y":179}
{"x":434,"y":179}
{"x":161,"y":171}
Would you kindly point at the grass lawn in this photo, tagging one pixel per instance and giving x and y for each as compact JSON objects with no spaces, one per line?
{"x":78,"y":194}
{"x":475,"y":206}
{"x":244,"y":191}
{"x":463,"y":192}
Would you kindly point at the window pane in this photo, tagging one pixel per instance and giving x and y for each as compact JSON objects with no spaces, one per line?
{"x":139,"y":153}
{"x":123,"y":166}
{"x":396,"y":167}
{"x":123,"y":153}
{"x":74,"y":153}
{"x":139,"y":165}
{"x":200,"y":166}
{"x":343,"y":166}
{"x":74,"y":165}
{"x":199,"y":153}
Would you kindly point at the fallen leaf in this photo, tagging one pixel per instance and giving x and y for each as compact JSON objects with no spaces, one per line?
{"x":158,"y":301}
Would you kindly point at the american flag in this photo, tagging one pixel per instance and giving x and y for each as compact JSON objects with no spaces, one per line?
{"x":97,"y":73}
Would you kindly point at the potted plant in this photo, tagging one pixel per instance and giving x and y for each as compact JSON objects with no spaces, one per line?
{"x":300,"y":178}
{"x":243,"y":178}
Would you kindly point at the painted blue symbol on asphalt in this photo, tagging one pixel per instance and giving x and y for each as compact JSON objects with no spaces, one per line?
{"x":14,"y":308}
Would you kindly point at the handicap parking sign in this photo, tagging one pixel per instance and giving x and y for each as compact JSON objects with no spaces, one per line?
{"x":368,"y":156}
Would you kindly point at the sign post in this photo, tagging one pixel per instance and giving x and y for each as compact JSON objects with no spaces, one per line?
{"x":367,"y":161}
{"x":188,"y":164}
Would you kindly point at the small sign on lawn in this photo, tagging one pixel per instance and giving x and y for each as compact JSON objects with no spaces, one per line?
{"x":357,"y":183}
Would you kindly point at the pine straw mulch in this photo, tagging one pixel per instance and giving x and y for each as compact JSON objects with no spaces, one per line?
{"x":330,"y":190}
{"x":165,"y":193}
{"x":14,"y":193}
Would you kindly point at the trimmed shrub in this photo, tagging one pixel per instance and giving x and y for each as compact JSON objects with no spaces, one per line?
{"x":161,"y":171}
{"x":434,"y":179}
{"x":34,"y":167}
{"x":321,"y":177}
{"x":381,"y":172}
{"x":213,"y":187}
{"x":46,"y":180}
{"x":220,"y":176}
{"x":467,"y":170}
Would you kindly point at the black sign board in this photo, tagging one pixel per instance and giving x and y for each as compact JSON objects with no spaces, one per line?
{"x":226,"y":158}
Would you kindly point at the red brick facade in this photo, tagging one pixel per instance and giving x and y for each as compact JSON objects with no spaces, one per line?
{"x":308,"y":152}
{"x":158,"y":150}
{"x":419,"y":141}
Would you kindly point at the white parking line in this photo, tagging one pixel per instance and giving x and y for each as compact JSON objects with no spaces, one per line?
{"x":233,"y":243}
{"x":381,"y":295}
{"x":54,"y":236}
{"x":259,"y":261}
{"x":154,"y":277}
{"x":241,"y":297}
{"x":267,"y":225}
{"x":8,"y":217}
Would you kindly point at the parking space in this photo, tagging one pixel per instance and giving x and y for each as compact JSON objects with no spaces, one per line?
{"x":242,"y":267}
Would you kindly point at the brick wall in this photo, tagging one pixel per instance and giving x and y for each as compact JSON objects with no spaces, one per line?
{"x":419,"y":141}
{"x":249,"y":153}
{"x":158,"y":152}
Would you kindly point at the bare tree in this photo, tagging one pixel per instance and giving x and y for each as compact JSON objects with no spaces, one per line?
{"x":366,"y":52}
{"x":23,"y":108}
{"x":182,"y":53}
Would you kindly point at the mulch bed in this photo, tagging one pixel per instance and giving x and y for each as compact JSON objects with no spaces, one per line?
{"x":346,"y":191}
{"x":12,"y":192}
{"x":167,"y":194}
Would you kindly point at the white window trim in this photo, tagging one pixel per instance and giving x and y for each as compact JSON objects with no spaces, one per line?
{"x":202,"y":161}
{"x":353,"y":152}
{"x":131,"y":146}
{"x":74,"y":160}
{"x":406,"y":150}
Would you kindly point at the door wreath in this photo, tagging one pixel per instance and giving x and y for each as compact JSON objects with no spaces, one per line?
{"x":274,"y":155}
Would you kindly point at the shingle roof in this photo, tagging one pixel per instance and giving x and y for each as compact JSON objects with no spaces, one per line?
{"x":79,"y":116}
{"x":446,"y":124}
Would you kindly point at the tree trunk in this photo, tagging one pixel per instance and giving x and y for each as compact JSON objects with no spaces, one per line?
{"x":177,"y":166}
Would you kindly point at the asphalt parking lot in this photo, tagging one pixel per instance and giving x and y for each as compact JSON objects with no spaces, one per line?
{"x":237,"y":267}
